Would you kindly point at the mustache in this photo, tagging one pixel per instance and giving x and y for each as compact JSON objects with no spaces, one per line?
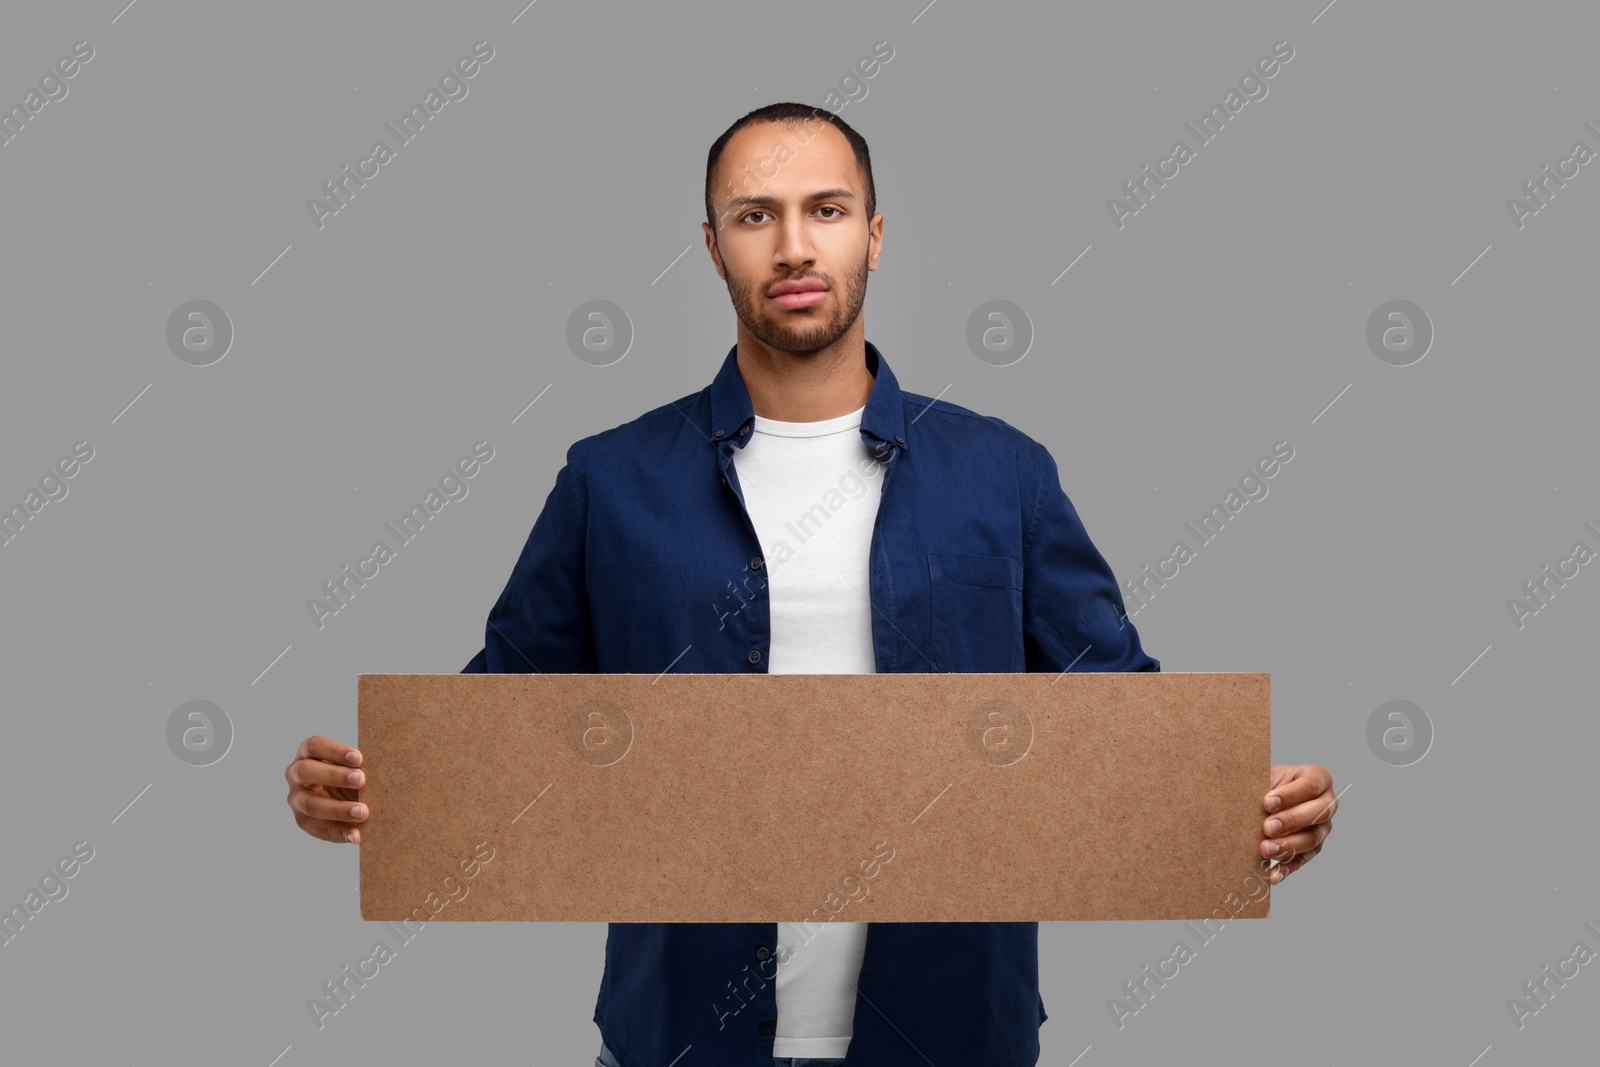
{"x":810,"y":277}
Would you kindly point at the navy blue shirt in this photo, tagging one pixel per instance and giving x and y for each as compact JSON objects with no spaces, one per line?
{"x":979,"y":563}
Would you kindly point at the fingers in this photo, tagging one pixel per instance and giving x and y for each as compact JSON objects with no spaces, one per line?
{"x":326,"y":748}
{"x":1319,"y":808}
{"x":1317,"y":812}
{"x":308,"y":772}
{"x":311,"y":804}
{"x":322,"y":789}
{"x":1287,"y":847}
{"x":1302,"y":802}
{"x":338,"y":832}
{"x":1288,"y":867}
{"x":1297,"y":786}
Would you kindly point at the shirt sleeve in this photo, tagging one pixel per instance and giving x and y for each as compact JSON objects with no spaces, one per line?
{"x":1072,"y":609}
{"x":541,"y":622}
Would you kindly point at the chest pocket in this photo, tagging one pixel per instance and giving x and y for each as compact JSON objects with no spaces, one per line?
{"x":977,"y":612}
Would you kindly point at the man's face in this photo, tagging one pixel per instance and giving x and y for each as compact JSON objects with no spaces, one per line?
{"x":796,"y":213}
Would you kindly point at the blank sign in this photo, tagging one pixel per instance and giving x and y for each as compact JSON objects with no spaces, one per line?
{"x":794,"y":797}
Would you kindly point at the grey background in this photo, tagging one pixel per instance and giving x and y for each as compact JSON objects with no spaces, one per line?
{"x":1227,"y":315}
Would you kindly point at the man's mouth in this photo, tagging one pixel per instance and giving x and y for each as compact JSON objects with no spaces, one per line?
{"x":800,"y":294}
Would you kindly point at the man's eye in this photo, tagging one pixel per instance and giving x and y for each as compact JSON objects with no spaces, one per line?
{"x":754,"y":213}
{"x":830,"y":207}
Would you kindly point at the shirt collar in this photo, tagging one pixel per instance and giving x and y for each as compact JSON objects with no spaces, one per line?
{"x":883,"y":420}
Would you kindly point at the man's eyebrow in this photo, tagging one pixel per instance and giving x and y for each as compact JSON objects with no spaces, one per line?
{"x":740,"y":202}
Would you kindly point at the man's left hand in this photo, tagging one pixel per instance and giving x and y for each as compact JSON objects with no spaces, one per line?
{"x":1300,"y":802}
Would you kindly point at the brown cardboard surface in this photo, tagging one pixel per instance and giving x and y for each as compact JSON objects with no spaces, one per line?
{"x":787,"y":797}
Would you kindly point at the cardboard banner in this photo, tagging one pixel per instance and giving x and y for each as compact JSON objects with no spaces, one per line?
{"x":794,"y":797}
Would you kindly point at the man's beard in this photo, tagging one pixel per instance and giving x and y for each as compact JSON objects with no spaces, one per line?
{"x":799,"y":331}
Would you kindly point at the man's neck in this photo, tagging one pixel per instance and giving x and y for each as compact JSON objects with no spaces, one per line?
{"x":805,"y":386}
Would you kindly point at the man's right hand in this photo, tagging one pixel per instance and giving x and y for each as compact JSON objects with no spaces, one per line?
{"x":322,"y":788}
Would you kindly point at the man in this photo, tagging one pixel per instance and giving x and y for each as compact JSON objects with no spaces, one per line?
{"x":804,"y":514}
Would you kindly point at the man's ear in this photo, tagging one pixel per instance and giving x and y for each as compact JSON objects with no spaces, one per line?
{"x":716,"y":253}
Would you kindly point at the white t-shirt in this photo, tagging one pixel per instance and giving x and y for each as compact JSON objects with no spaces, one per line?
{"x":811,"y":490}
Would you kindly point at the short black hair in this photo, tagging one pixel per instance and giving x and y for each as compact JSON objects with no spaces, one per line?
{"x":795,"y":115}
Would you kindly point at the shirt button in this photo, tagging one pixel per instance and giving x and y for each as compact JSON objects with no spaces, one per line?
{"x":755,"y":656}
{"x":902,"y":440}
{"x":762,"y":952}
{"x":719,"y":433}
{"x":756,"y":563}
{"x":744,"y":431}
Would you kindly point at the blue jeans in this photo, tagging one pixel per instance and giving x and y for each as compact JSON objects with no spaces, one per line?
{"x":606,"y":1059}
